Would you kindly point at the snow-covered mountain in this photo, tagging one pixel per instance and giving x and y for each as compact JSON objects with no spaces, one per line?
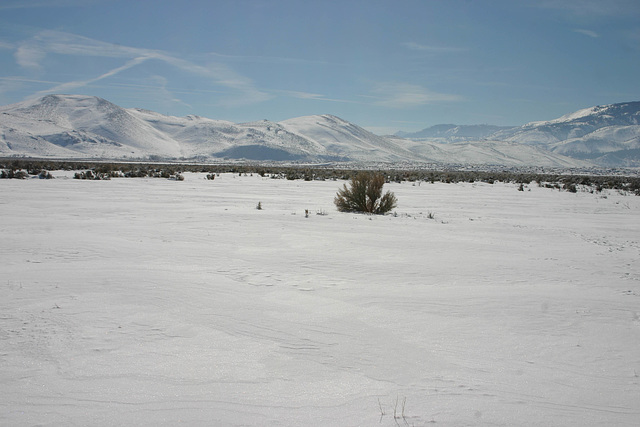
{"x":346,"y":140}
{"x":607,"y":135}
{"x":77,"y":126}
{"x":487,"y":152}
{"x":604,"y":135}
{"x":453,"y":133}
{"x":85,"y":126}
{"x":73,"y":126}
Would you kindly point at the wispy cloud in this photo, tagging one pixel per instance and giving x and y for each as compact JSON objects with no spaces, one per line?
{"x":21,"y":79}
{"x":227,"y":77}
{"x":28,"y":56}
{"x":311,"y":96}
{"x":69,"y":86}
{"x":433,"y":49}
{"x":301,"y":95}
{"x":165,"y":96}
{"x":404,"y":95}
{"x":31,"y":53}
{"x":589,"y":33}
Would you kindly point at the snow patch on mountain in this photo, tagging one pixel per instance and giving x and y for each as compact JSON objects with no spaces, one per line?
{"x":587,"y":134}
{"x":345,"y":139}
{"x":453,"y":133}
{"x":78,"y":126}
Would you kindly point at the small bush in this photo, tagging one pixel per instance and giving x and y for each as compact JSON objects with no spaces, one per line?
{"x":365,"y":195}
{"x":45,"y":174}
{"x":21,"y":174}
{"x":89,"y":174}
{"x":138,"y":173}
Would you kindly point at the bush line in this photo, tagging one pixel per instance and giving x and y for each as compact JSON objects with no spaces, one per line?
{"x":22,"y":168}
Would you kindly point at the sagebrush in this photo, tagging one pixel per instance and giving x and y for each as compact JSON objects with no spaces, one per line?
{"x":365,"y":195}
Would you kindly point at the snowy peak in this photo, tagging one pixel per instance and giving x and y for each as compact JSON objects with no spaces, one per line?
{"x":87,"y":124}
{"x":607,"y":135}
{"x":77,"y":126}
{"x":623,"y":114}
{"x":454,"y":133}
{"x":328,"y":129}
{"x":69,"y":110}
{"x":346,"y":140}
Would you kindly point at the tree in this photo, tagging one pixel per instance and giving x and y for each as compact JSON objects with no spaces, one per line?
{"x":365,"y":195}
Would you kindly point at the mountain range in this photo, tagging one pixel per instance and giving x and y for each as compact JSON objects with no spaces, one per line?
{"x":87,"y":127}
{"x":607,"y":136}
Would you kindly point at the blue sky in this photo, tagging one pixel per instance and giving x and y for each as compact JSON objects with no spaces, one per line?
{"x":385,"y":65}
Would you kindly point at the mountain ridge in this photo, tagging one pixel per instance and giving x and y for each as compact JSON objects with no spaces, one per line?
{"x":453,"y":132}
{"x":81,"y":126}
{"x":606,"y":135}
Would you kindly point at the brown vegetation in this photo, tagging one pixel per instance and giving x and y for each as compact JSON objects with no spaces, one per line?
{"x":365,"y":195}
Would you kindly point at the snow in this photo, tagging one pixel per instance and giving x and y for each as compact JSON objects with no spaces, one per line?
{"x":571,"y":117}
{"x":96,"y":118}
{"x":342,"y":138}
{"x":77,"y":126}
{"x":585,"y":112}
{"x":156,"y":302}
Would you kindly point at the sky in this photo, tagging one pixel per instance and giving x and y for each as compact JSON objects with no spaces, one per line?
{"x":384,"y":65}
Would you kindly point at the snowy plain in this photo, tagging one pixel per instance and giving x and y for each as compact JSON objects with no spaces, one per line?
{"x":157,"y":302}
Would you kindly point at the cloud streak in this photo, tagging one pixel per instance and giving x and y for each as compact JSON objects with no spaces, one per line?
{"x":65,"y":87}
{"x":404,"y":95}
{"x":312,"y":96}
{"x":433,"y":49}
{"x":31,"y":53}
{"x":589,"y":33}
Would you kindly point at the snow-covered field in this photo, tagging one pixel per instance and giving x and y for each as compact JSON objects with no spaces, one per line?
{"x":156,"y":302}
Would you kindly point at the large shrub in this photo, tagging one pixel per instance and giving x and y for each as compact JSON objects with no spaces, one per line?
{"x":365,"y":195}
